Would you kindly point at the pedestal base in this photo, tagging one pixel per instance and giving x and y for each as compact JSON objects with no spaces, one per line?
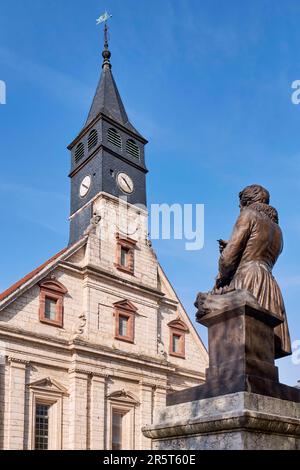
{"x":239,"y":421}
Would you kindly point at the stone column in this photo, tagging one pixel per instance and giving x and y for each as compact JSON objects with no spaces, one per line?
{"x":160,"y":397}
{"x":78,"y":433}
{"x":98,"y":412}
{"x":16,"y":404}
{"x":146,"y":412}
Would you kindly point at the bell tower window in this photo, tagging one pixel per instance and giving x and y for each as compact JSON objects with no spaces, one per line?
{"x":79,"y":152}
{"x":93,"y":139}
{"x":114,"y":138}
{"x":132,"y":149}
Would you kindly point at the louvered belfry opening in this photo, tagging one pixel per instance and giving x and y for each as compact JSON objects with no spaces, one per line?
{"x":132,"y":149}
{"x":79,"y":152}
{"x":93,"y":139}
{"x":114,"y":138}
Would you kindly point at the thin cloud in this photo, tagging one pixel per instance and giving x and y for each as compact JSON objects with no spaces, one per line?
{"x":60,"y":85}
{"x":35,"y":193}
{"x":290,"y":281}
{"x":38,"y":207}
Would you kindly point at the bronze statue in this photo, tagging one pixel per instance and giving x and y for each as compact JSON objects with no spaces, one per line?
{"x":247,"y":260}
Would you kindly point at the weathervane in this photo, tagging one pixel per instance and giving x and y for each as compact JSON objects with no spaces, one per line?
{"x":103,"y":19}
{"x":106,"y":53}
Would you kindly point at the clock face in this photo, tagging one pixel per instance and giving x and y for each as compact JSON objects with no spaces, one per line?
{"x":125,"y":183}
{"x":85,"y":186}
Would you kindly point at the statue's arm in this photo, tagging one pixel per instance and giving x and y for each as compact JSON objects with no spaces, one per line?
{"x":232,"y":253}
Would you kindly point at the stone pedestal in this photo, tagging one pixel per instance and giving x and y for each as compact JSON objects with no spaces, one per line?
{"x":239,"y":421}
{"x":242,"y":405}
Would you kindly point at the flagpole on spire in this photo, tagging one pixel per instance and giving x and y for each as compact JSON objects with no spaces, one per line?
{"x":106,"y":52}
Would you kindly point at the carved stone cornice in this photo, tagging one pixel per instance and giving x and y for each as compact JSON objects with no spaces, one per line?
{"x":145,"y":383}
{"x":88,"y":373}
{"x":246,"y":420}
{"x":16,"y":360}
{"x":78,"y":370}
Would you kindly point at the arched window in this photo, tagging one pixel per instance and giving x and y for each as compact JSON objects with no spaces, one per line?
{"x":79,"y":152}
{"x":93,"y":139}
{"x":132,"y":149}
{"x":114,"y":138}
{"x":178,"y":330}
{"x":52,"y":295}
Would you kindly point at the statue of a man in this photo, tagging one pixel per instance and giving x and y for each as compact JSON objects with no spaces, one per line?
{"x":247,"y":260}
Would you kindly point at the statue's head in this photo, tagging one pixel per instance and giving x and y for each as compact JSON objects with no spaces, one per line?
{"x":252,"y":194}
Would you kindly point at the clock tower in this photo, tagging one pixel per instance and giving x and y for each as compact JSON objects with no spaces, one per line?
{"x":107,"y":156}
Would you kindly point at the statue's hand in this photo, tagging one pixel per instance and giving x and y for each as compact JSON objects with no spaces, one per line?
{"x":220,"y":283}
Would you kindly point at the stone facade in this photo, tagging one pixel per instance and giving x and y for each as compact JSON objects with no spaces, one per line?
{"x":81,"y":371}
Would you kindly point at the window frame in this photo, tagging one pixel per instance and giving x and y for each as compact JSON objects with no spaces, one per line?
{"x":178,"y":328}
{"x":54,"y":290}
{"x":129,"y":245}
{"x":127,"y":310}
{"x":54,"y":401}
{"x":47,"y":392}
{"x":126,"y":404}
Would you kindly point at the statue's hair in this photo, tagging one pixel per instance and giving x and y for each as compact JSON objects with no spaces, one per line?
{"x":254,"y":193}
{"x":266,"y":210}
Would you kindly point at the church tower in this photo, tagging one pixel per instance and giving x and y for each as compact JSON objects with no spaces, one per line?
{"x":107,"y":156}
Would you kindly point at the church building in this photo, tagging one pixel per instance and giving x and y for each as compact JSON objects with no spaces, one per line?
{"x":94,"y":339}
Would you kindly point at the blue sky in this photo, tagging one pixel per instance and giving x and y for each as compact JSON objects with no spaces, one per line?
{"x":207,"y":82}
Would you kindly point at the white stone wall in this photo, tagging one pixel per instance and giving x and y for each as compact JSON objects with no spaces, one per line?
{"x":84,"y":358}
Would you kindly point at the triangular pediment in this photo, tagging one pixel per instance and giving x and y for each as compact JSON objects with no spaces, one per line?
{"x":178,"y":324}
{"x":125,"y":305}
{"x":123,"y":395}
{"x":50,"y":385}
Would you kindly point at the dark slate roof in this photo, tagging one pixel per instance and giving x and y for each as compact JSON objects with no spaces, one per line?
{"x":107,"y":101}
